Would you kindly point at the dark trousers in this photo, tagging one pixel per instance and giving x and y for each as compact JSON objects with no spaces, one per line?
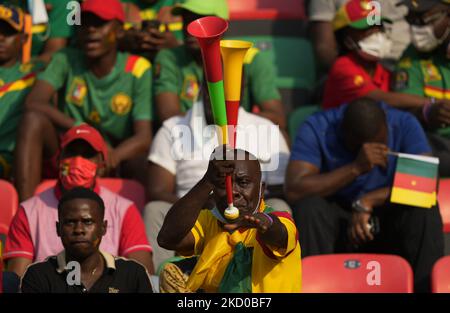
{"x":441,"y":149}
{"x":413,"y":233}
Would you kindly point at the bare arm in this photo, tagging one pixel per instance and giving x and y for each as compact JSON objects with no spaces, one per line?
{"x":39,"y":99}
{"x":399,"y":100}
{"x":324,"y":42}
{"x":51,"y":46}
{"x":161,"y":184}
{"x":18,"y":265}
{"x":175,"y":233}
{"x":304,"y":179}
{"x":274,"y":111}
{"x":145,"y":258}
{"x":167,"y":105}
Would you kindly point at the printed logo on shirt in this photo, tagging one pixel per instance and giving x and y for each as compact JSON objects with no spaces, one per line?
{"x":190,"y":88}
{"x":430,"y":71}
{"x":401,"y":80}
{"x":113,"y":290}
{"x":77,"y":91}
{"x":358,"y":80}
{"x":1,"y":82}
{"x":121,"y":104}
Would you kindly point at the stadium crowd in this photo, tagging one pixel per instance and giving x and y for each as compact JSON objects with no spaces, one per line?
{"x":123,"y":94}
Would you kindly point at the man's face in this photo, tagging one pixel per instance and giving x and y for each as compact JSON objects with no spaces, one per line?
{"x":10,"y":43}
{"x":97,"y":36}
{"x":247,"y":188}
{"x":83,"y":149}
{"x":190,"y":42}
{"x":81,"y":227}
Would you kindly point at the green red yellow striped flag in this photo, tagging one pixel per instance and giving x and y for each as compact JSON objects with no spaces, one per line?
{"x":415,"y":180}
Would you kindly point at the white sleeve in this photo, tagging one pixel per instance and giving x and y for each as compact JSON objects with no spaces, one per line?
{"x":322,"y":10}
{"x":160,"y":152}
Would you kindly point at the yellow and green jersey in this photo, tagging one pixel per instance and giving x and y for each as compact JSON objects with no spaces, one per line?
{"x":111,"y":103}
{"x":150,"y":13}
{"x":176,"y":71}
{"x":426,"y":75}
{"x":15,"y":83}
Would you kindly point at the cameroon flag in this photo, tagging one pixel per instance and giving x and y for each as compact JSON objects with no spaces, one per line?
{"x":415,"y":180}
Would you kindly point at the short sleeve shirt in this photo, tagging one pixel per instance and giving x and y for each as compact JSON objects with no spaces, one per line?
{"x":348,"y":81}
{"x":426,"y":75}
{"x":111,"y":103}
{"x":176,"y":71}
{"x":319,"y":142}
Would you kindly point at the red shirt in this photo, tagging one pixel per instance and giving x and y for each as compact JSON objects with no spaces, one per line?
{"x":348,"y":81}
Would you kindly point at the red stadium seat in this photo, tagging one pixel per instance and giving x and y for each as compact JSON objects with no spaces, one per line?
{"x":9,"y":202}
{"x":440,"y":276}
{"x":266,"y":9}
{"x":444,"y":202}
{"x":356,"y":273}
{"x":127,"y":188}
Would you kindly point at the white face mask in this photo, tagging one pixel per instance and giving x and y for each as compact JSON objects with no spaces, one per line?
{"x":376,"y":46}
{"x":423,"y":37}
{"x":215,"y":211}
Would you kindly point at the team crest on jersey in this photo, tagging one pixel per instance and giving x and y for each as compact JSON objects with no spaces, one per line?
{"x":190,"y":88}
{"x":121,"y":103}
{"x":1,"y":82}
{"x":26,"y":68}
{"x":430,"y":72}
{"x":77,"y":92}
{"x":358,"y":80}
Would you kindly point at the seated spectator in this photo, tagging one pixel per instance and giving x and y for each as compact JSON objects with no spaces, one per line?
{"x":31,"y":239}
{"x":50,"y":36}
{"x":172,"y":173}
{"x":322,"y":12}
{"x":150,"y":27}
{"x":257,"y":252}
{"x":96,"y":85}
{"x":15,"y":82}
{"x":340,"y":178}
{"x":81,"y":227}
{"x":178,"y":72}
{"x":424,"y":71}
{"x":358,"y":72}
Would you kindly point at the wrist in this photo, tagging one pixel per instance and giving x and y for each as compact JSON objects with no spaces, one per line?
{"x":269,"y":221}
{"x":356,"y":169}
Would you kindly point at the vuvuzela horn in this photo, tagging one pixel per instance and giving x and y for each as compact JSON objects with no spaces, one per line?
{"x":233,"y":53}
{"x":208,"y":31}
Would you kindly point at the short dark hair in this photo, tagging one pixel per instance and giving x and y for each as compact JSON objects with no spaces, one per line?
{"x":363,"y":118}
{"x":81,"y":193}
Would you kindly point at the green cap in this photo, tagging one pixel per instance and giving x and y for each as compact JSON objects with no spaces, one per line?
{"x":203,"y":7}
